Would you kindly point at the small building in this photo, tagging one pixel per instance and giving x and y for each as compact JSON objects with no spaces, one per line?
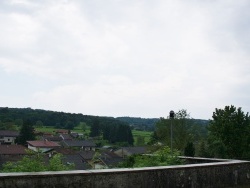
{"x":79,"y":159}
{"x":76,"y":135}
{"x":52,"y":138}
{"x":42,"y":146}
{"x":8,"y":150}
{"x":8,"y":137}
{"x":11,"y":153}
{"x":87,"y":155}
{"x":61,"y":131}
{"x":76,"y":160}
{"x":66,"y":137}
{"x":42,"y":133}
{"x":92,"y":159}
{"x":110,"y":158}
{"x":85,"y":145}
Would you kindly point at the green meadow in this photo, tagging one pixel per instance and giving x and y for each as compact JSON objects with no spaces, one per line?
{"x":145,"y":134}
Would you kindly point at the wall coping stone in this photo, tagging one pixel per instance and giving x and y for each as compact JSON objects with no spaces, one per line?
{"x":221,"y":174}
{"x":121,"y":170}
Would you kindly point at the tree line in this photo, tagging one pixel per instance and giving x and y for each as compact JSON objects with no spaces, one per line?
{"x":226,"y":135}
{"x":137,"y":123}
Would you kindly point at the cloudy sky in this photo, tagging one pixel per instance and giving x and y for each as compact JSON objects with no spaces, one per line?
{"x":138,"y":58}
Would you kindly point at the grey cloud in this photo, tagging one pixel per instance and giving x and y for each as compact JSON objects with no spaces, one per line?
{"x":155,"y":54}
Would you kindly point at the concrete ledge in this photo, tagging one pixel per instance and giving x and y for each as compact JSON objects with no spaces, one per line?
{"x":232,"y":173}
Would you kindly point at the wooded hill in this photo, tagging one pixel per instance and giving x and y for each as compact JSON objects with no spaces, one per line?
{"x":112,"y":129}
{"x":70,"y":120}
{"x":52,"y":118}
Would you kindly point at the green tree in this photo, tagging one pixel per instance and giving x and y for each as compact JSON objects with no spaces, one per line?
{"x":34,"y":162}
{"x":189,"y":150}
{"x":203,"y":149}
{"x":19,"y":122}
{"x":182,"y":134}
{"x":153,"y":138}
{"x":230,"y":130}
{"x":124,"y":134}
{"x":69,"y":125}
{"x":39,"y":123}
{"x":83,"y":126}
{"x":181,"y":130}
{"x":8,"y":126}
{"x":161,"y":157}
{"x":26,"y":133}
{"x":55,"y":164}
{"x":95,"y":128}
{"x":140,"y":140}
{"x":30,"y":163}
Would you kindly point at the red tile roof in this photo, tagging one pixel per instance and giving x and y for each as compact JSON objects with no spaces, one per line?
{"x":43,"y":144}
{"x":62,"y":131}
{"x":12,"y":150}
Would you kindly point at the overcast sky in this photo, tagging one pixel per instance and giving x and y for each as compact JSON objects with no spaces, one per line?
{"x":138,"y":58}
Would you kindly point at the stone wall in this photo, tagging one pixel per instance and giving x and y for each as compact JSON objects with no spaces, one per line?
{"x":206,"y":175}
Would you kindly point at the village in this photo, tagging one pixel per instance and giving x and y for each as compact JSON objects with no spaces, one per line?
{"x":83,"y":154}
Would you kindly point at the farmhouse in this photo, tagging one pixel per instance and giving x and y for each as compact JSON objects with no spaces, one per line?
{"x":8,"y":137}
{"x":11,"y":153}
{"x":42,"y":146}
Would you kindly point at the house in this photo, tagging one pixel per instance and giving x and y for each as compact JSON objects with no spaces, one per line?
{"x":85,"y":145}
{"x":12,"y":150}
{"x":77,"y":158}
{"x":42,"y":146}
{"x":110,"y":158}
{"x":11,"y":153}
{"x":65,"y":137}
{"x":98,"y":164}
{"x":92,"y":159}
{"x":103,"y":160}
{"x":52,"y":138}
{"x":127,"y":151}
{"x":87,"y":155}
{"x":76,"y":135}
{"x":8,"y":137}
{"x":61,"y":131}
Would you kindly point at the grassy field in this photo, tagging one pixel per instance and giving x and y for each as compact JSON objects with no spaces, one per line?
{"x":45,"y":129}
{"x":145,"y":134}
{"x":52,"y":129}
{"x":79,"y":129}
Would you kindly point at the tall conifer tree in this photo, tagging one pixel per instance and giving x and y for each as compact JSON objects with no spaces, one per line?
{"x":26,"y":133}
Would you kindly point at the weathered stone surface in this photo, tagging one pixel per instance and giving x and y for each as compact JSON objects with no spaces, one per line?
{"x":205,"y":175}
